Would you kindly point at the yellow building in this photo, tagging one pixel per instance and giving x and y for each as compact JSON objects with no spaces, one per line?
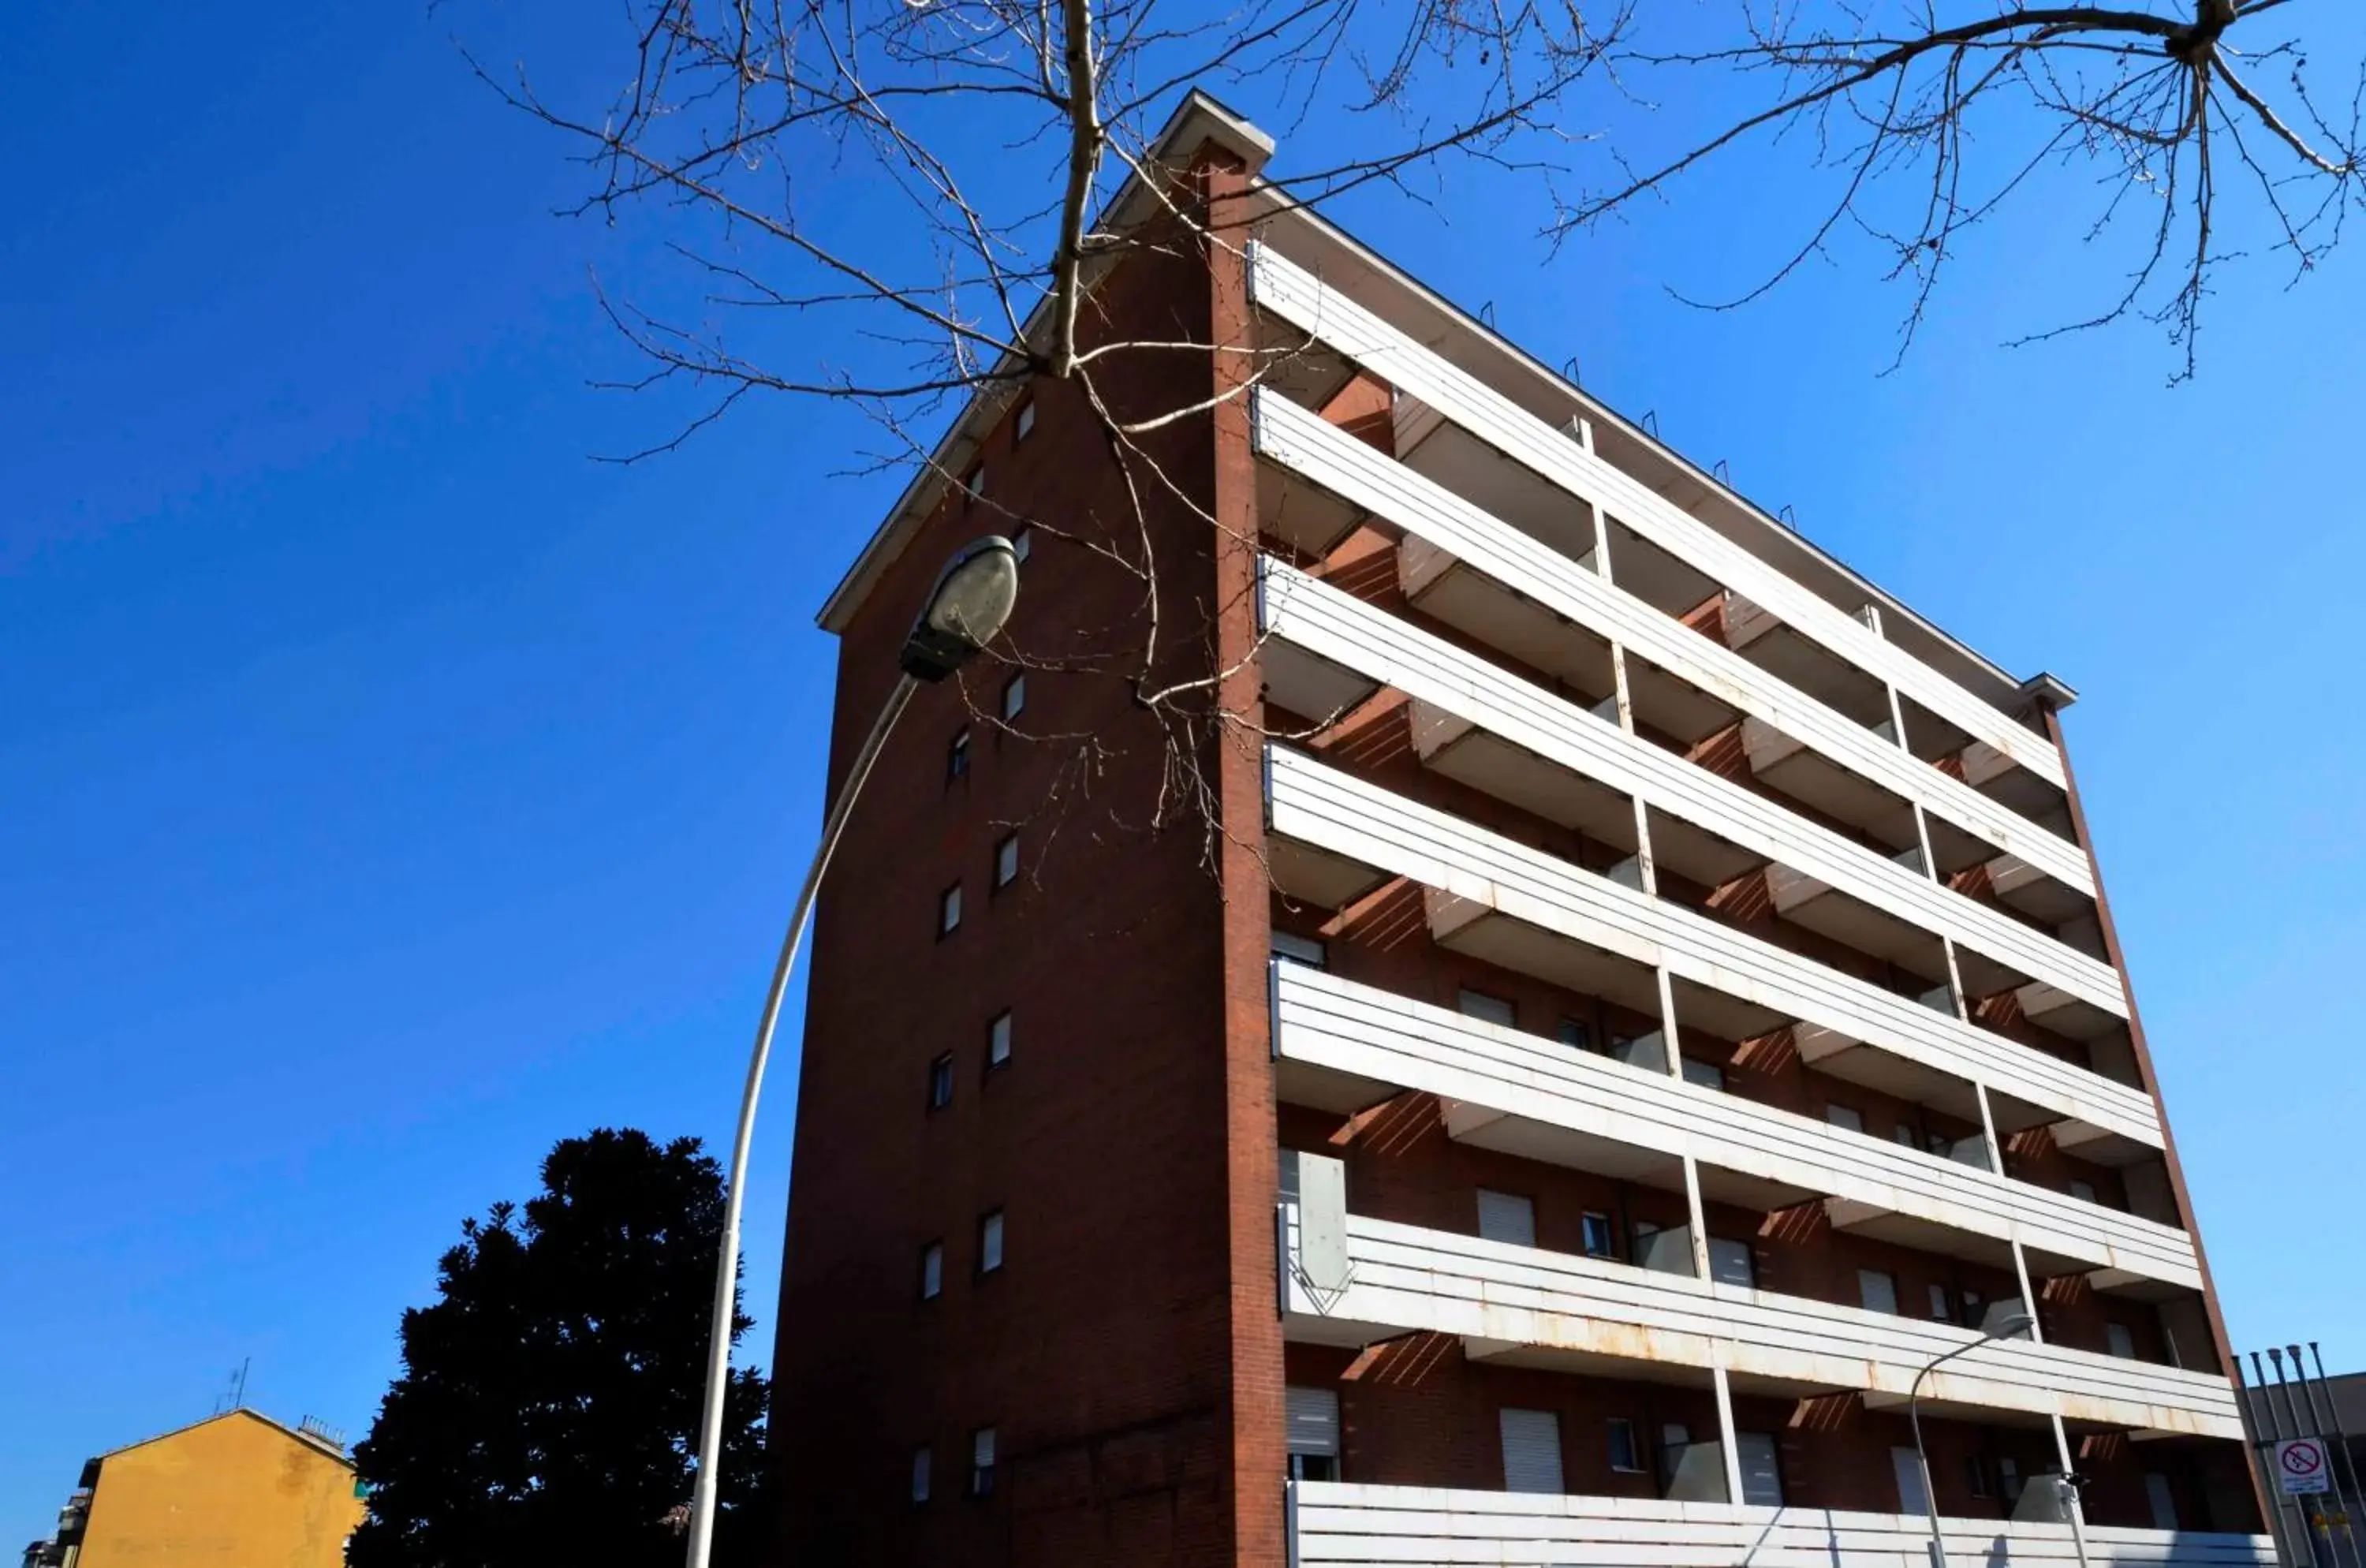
{"x":239,"y":1491}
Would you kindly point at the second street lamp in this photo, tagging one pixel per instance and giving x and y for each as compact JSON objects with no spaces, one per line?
{"x":965,"y":611}
{"x":2010,"y":1323}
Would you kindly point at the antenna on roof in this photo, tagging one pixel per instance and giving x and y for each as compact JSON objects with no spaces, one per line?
{"x":1651,"y":422}
{"x":1724,"y":475}
{"x":1790,"y":519}
{"x":1569,"y":370}
{"x":1487,"y":314}
{"x":235,"y":1398}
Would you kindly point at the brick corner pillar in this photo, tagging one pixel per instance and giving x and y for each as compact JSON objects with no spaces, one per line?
{"x":1252,"y":1174}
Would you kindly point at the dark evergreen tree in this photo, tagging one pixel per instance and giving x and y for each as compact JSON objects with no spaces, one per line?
{"x":549,"y":1397}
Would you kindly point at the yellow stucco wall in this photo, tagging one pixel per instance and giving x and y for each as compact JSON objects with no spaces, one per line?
{"x":235,"y":1492}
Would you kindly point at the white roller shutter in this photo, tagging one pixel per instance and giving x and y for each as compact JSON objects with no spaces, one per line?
{"x":1314,"y":1420}
{"x":1505,"y":1217}
{"x":1762,"y":1470}
{"x":1532,"y":1451}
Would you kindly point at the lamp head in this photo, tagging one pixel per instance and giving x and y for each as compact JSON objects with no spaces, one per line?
{"x":2007,"y":1322}
{"x":965,"y":611}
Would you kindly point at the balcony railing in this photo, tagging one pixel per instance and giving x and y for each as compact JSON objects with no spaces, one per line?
{"x":1300,"y":297}
{"x":1529,"y":1307}
{"x":1352,"y":835}
{"x":1386,"y":651}
{"x":1341,"y":1045}
{"x":1341,"y":1523}
{"x":1302,"y":443}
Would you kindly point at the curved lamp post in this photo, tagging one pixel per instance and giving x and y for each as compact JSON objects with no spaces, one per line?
{"x":965,"y":609}
{"x":2010,"y":1323}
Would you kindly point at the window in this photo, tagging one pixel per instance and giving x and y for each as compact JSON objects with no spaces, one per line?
{"x":949,"y":910}
{"x":1975,"y":1311}
{"x":922,"y":1462}
{"x":2119,"y":1341}
{"x":1762,"y":1468}
{"x":981,"y":1462}
{"x":1902,"y":1133}
{"x":1623,"y":1455}
{"x":1843,"y":1117}
{"x":1531,"y":1451}
{"x":2083,"y":1191}
{"x":957,"y":755}
{"x":989,"y":1242}
{"x":997,"y":1040}
{"x":1942,"y":1309}
{"x":1875,"y":1291}
{"x":1905,"y":1465}
{"x":1731,"y":1263}
{"x":1022,"y":543}
{"x":933,"y":1270}
{"x":941,"y":1082}
{"x":1486,"y":1009}
{"x":1708,"y":1075}
{"x":2009,"y":1479}
{"x":1600,"y":1236}
{"x":975,"y":483}
{"x":1939,"y":1144}
{"x":1572,"y":1033}
{"x":1014,"y":696}
{"x":1299,"y":950}
{"x":1006,"y":862}
{"x":1024,"y":425}
{"x":1976,"y":1471}
{"x":1506,"y":1217}
{"x":1312,"y":1431}
{"x":2162,"y":1500}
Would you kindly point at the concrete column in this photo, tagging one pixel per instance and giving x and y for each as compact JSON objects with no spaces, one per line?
{"x":1726,"y":1438}
{"x":1700,"y":1218}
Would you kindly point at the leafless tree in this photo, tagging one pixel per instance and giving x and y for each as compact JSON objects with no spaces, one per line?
{"x":898,"y":203}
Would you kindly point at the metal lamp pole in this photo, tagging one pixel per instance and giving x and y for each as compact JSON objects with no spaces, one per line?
{"x":2010,"y":1323}
{"x":971,"y":602}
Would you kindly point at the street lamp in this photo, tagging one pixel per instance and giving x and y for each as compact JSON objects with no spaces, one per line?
{"x":965,"y":609}
{"x":2010,"y":1323}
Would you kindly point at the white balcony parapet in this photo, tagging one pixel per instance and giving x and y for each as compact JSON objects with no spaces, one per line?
{"x":1344,"y":1523}
{"x":1544,"y":1309}
{"x":1305,"y":444}
{"x":1300,"y":297}
{"x":1348,"y":632}
{"x":1321,"y":1021}
{"x":1341,"y":815}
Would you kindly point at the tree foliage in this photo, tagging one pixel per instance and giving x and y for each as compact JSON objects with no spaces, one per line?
{"x":548,"y":1396}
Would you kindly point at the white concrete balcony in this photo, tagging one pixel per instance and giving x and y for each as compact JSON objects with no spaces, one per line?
{"x":1343,"y":1523}
{"x":1334,"y":835}
{"x":1500,"y":426}
{"x":1342,"y":1047}
{"x":1499,"y":584}
{"x":1487,"y":728}
{"x":1524,"y":1307}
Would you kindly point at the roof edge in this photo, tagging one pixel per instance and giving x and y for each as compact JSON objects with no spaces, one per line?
{"x":1197,"y":120}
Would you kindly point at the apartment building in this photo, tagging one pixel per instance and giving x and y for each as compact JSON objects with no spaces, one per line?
{"x":1643,"y":997}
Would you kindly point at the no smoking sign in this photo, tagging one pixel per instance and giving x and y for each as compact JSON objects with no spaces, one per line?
{"x":2302,"y":1466}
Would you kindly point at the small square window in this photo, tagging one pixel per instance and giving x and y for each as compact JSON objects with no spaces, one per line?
{"x":1024,"y":425}
{"x":1022,"y":545}
{"x":1975,"y":1311}
{"x":1976,"y":1471}
{"x":1484,"y":1007}
{"x":923,"y":1461}
{"x":1573,"y":1034}
{"x":1941,"y":1310}
{"x":981,"y":1462}
{"x":949,"y":910}
{"x":989,"y":1242}
{"x":975,"y":483}
{"x":997,"y":1040}
{"x":941,"y":1082}
{"x":1707,"y":1075}
{"x":2119,"y":1341}
{"x":1506,"y":1217}
{"x":1014,"y":696}
{"x":933,"y":1270}
{"x":1625,"y":1454}
{"x":1732,"y":1262}
{"x":1844,"y":1118}
{"x":1902,"y":1133}
{"x":1876,"y":1292}
{"x":957,"y":755}
{"x":1299,"y":950}
{"x":1598,"y":1235}
{"x":2083,"y":1191}
{"x":1006,"y":862}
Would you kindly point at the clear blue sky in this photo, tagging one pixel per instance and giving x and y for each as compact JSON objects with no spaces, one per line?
{"x":387,"y":790}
